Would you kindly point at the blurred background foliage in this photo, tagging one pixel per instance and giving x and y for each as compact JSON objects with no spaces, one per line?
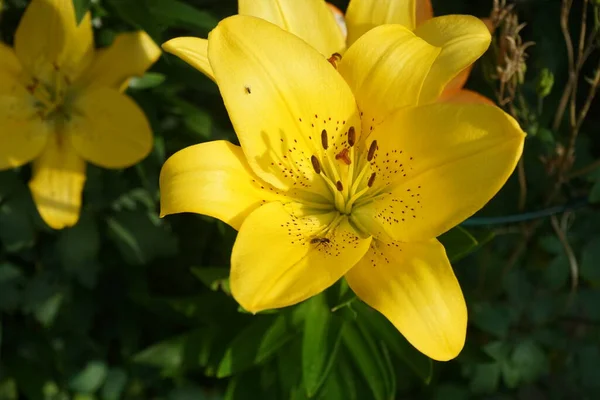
{"x":128,"y":306}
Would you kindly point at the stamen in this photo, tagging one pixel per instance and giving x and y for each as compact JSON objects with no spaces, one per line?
{"x":335,"y":59}
{"x":344,"y":155}
{"x":318,"y":240}
{"x":316,"y":165}
{"x":324,"y":142}
{"x":371,"y":180}
{"x":339,"y":186}
{"x":351,"y":136}
{"x":372,"y":149}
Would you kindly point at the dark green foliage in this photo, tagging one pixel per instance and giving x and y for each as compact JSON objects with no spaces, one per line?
{"x":126,"y":305}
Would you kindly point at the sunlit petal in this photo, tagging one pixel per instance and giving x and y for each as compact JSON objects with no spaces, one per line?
{"x":212,"y":179}
{"x":386,"y":69}
{"x":283,"y":97}
{"x":462,"y":38}
{"x":364,"y":15}
{"x":108,"y":129}
{"x":310,"y":20}
{"x":131,"y":54}
{"x":281,"y":258}
{"x":10,"y":64}
{"x":414,"y":286}
{"x":437,"y":165}
{"x":57,"y":183}
{"x":48,"y":39}
{"x":193,"y":51}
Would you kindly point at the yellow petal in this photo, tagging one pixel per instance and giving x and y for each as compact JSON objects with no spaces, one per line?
{"x":131,"y":54}
{"x":281,"y":258}
{"x":413,"y":285}
{"x":364,"y":15}
{"x":386,"y":69}
{"x":310,"y":20}
{"x":48,"y":39}
{"x":193,"y":51}
{"x":465,"y":96}
{"x":23,"y":134}
{"x":57,"y":183}
{"x":424,"y":11}
{"x":437,"y":165}
{"x":463,"y":40}
{"x":212,"y":179}
{"x":108,"y":129}
{"x":281,"y":95}
{"x":10,"y":63}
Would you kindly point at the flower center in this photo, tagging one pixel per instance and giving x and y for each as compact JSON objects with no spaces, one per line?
{"x":51,"y":95}
{"x":350,"y":174}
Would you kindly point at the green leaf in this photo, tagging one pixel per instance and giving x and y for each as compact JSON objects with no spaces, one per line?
{"x":395,"y":342}
{"x":191,"y":349}
{"x":594,"y":195}
{"x":590,"y":260}
{"x":320,"y":343}
{"x":530,"y":360}
{"x":8,"y":390}
{"x":141,"y":237}
{"x":114,"y":385}
{"x":11,"y":282}
{"x":81,"y":8}
{"x":369,"y":361}
{"x":215,"y":278}
{"x":147,"y":81}
{"x":458,"y":243}
{"x":254,"y":345}
{"x":486,"y":378}
{"x":89,"y":379}
{"x":16,"y":225}
{"x":494,"y":319}
{"x":138,"y":14}
{"x":177,"y":13}
{"x":46,"y":312}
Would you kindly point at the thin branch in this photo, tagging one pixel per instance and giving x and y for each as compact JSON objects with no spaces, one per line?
{"x":573,"y":265}
{"x":564,"y":27}
{"x":522,"y":184}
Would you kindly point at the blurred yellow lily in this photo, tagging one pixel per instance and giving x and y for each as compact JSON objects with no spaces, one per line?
{"x":350,"y":173}
{"x":61,"y":104}
{"x":324,"y":27}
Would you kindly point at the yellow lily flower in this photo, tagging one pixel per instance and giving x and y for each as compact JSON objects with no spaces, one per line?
{"x":61,"y":105}
{"x":324,"y":27}
{"x":348,"y":173}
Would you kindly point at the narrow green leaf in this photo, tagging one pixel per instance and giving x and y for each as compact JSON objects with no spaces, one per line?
{"x":214,"y":278}
{"x":177,"y":13}
{"x":369,"y":360}
{"x":254,"y":345}
{"x":320,"y":343}
{"x":395,"y":342}
{"x":148,"y":81}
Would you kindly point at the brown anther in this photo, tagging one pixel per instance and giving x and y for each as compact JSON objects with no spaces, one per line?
{"x":324,"y":141}
{"x":344,"y":155}
{"x":335,"y":59}
{"x":371,"y":180}
{"x":351,"y":136}
{"x":339,"y":186}
{"x":372,"y":149}
{"x":315,"y":163}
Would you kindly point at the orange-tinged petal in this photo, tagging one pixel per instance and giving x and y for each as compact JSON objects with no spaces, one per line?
{"x":131,"y":54}
{"x":436,"y":166}
{"x":310,"y":20}
{"x":386,"y":69}
{"x":465,"y":96}
{"x":282,"y":97}
{"x":413,"y":285}
{"x":364,"y":15}
{"x":281,"y":256}
{"x":49,"y":39}
{"x":212,"y":179}
{"x":57,"y":183}
{"x":424,"y":11}
{"x":23,"y":134}
{"x":108,"y":129}
{"x":193,"y":51}
{"x":462,"y":38}
{"x":459,"y":81}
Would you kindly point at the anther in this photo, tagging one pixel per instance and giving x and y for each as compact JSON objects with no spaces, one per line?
{"x":315,"y":163}
{"x":344,"y":155}
{"x":334,"y":59}
{"x":372,"y":149}
{"x":339,"y":186}
{"x":371,"y":180}
{"x":324,"y":139}
{"x":351,"y":136}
